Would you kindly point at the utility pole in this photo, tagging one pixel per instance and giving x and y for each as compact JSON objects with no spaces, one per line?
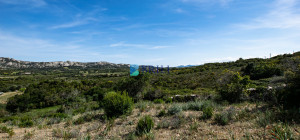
{"x":270,"y":55}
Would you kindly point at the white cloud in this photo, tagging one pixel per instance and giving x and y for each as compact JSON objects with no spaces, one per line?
{"x":283,"y":15}
{"x":82,"y":18}
{"x":122,"y":44}
{"x":144,"y":46}
{"x":45,"y":50}
{"x":159,"y":47}
{"x":75,"y":23}
{"x":179,"y":10}
{"x":221,"y":2}
{"x":69,"y":25}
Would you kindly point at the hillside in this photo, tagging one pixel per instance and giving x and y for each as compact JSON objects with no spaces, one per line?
{"x":12,"y":63}
{"x":245,"y":99}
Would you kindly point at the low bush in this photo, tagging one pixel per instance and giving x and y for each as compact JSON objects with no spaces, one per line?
{"x":57,"y":115}
{"x":264,"y":119}
{"x":177,"y":121}
{"x":233,"y":87}
{"x":144,"y":125}
{"x":168,"y":100}
{"x":28,"y":135}
{"x":207,"y":113}
{"x":225,"y":117}
{"x":143,"y":105}
{"x":196,"y":106}
{"x":80,"y":120}
{"x":162,"y":113}
{"x":245,"y":114}
{"x":281,"y":132}
{"x":174,"y":109}
{"x":85,"y":118}
{"x":9,"y":131}
{"x":96,"y":94}
{"x":158,"y":101}
{"x":65,"y":134}
{"x":221,"y":119}
{"x":54,"y":120}
{"x":117,"y":104}
{"x":163,"y":124}
{"x":25,"y":122}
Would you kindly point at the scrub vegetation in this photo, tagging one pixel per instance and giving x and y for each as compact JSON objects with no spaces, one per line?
{"x":246,"y":99}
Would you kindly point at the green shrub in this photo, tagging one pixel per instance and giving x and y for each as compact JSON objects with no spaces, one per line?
{"x":53,"y":121}
{"x":4,"y":129}
{"x":43,"y":94}
{"x":116,"y":104}
{"x":131,"y":136}
{"x":289,"y":96}
{"x":177,"y":121}
{"x":196,"y":106}
{"x":57,"y":115}
{"x":264,"y":118}
{"x":96,"y":94}
{"x":245,"y":114}
{"x":3,"y":112}
{"x":79,"y":110}
{"x":22,"y":89}
{"x":144,"y":125}
{"x":221,"y":119}
{"x":80,"y":120}
{"x":174,"y":109}
{"x":158,"y":101}
{"x":225,"y":117}
{"x":26,"y":122}
{"x":168,"y":100}
{"x":133,"y":85}
{"x":61,"y":109}
{"x":85,"y":118}
{"x":207,"y":113}
{"x":162,"y":113}
{"x":261,"y":70}
{"x":233,"y":87}
{"x":163,"y":124}
{"x":65,"y":134}
{"x":281,"y":132}
{"x":28,"y":135}
{"x":142,"y":105}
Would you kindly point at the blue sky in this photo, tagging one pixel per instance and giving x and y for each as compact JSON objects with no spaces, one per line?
{"x":155,"y":32}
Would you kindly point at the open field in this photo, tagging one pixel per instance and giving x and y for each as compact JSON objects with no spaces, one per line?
{"x":6,"y":95}
{"x":185,"y":124}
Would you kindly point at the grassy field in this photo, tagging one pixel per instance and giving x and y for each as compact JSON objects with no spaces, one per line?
{"x":6,"y":95}
{"x":186,"y":123}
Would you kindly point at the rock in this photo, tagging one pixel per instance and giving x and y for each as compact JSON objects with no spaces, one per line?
{"x":12,"y":63}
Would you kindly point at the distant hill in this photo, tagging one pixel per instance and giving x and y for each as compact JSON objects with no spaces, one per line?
{"x":12,"y":63}
{"x":184,"y":66}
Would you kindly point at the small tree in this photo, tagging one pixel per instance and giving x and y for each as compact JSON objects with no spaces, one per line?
{"x":144,"y":125}
{"x":232,"y":86}
{"x":117,"y":104}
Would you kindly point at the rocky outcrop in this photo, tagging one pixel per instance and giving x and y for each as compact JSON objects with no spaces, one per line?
{"x":12,"y":63}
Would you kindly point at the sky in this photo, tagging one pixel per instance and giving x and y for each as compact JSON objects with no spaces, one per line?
{"x":149,"y":32}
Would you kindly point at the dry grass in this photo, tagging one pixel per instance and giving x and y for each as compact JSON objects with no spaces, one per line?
{"x":190,"y":128}
{"x":6,"y":95}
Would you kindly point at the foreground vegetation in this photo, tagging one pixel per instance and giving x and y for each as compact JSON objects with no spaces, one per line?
{"x":246,"y":99}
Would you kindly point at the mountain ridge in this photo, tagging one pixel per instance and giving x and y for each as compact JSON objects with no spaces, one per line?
{"x":6,"y":62}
